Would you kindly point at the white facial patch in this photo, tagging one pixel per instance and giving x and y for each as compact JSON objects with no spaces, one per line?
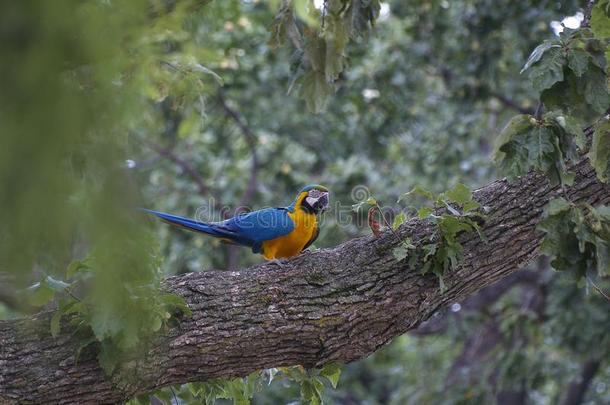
{"x":311,"y":200}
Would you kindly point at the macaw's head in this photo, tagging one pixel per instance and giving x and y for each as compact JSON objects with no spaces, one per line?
{"x":314,"y":198}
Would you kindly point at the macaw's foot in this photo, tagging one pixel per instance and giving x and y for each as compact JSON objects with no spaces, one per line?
{"x":277,"y":262}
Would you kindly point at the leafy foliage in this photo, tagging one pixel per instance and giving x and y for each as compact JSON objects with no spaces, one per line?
{"x":241,"y":390}
{"x":577,"y":237}
{"x":75,"y":197}
{"x":569,"y":74}
{"x":94,"y":320}
{"x":600,"y":19}
{"x":452,"y":213}
{"x":546,"y":145}
{"x":599,"y":154}
{"x":320,"y":38}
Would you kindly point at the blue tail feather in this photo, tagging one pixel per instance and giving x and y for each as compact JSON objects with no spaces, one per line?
{"x":208,"y":228}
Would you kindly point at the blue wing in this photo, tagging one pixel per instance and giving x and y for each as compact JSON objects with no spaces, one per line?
{"x":250,"y":229}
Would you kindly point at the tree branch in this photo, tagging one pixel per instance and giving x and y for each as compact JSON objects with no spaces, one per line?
{"x":251,"y":140}
{"x":511,"y":104}
{"x":588,"y":10}
{"x":578,"y":388}
{"x":333,"y":305}
{"x":186,"y":167}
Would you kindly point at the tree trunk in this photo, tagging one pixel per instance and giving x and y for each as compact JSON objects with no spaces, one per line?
{"x":332,"y":305}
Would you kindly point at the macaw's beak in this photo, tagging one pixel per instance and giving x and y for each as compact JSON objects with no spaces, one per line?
{"x":320,"y":203}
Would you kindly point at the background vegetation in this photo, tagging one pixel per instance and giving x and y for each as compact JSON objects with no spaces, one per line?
{"x":199,"y":108}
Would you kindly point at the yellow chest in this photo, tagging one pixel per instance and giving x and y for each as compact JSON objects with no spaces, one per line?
{"x":305,"y":226}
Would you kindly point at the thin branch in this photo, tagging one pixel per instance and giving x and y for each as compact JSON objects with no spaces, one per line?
{"x":183,"y":164}
{"x":251,"y":140}
{"x":511,"y":103}
{"x":599,"y":290}
{"x":586,"y":22}
{"x":578,"y":388}
{"x":538,"y":111}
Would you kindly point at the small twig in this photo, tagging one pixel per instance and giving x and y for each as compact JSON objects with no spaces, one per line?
{"x":324,"y":6}
{"x":538,"y":111}
{"x":511,"y":104}
{"x":72,"y":294}
{"x":599,"y":290}
{"x":252,"y":141}
{"x":385,"y":221}
{"x":563,"y":186}
{"x":587,"y":18}
{"x":183,"y":164}
{"x":174,"y":394}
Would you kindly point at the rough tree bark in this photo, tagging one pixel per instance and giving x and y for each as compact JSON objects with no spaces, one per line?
{"x":337,"y":304}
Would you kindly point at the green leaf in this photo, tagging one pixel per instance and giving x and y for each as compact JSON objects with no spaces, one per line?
{"x":39,"y":294}
{"x":527,"y":144}
{"x":399,"y":220}
{"x":109,"y":356}
{"x":471,"y":206}
{"x":156,"y":324}
{"x":315,"y":90}
{"x":336,"y":37}
{"x":451,"y":226}
{"x":599,"y":155}
{"x":578,"y":61}
{"x":576,"y":236}
{"x":176,"y":302}
{"x":602,"y":252}
{"x":56,"y":285}
{"x":312,"y":390}
{"x":459,"y":194}
{"x":423,"y":212}
{"x":583,"y":97}
{"x":541,"y":148}
{"x":284,"y":27}
{"x":570,"y":131}
{"x":332,"y":372}
{"x":556,"y":206}
{"x":517,"y":125}
{"x":537,"y":54}
{"x":548,"y":70}
{"x":371,"y":201}
{"x":600,"y":20}
{"x":76,"y":266}
{"x":305,"y":11}
{"x":105,"y":323}
{"x":296,"y":373}
{"x":596,"y":89}
{"x":401,"y":251}
{"x":55,"y":323}
{"x":418,"y":191}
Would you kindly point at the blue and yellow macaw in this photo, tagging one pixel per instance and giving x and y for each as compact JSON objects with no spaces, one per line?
{"x":274,"y":232}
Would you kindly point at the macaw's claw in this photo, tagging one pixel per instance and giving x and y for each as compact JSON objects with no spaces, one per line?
{"x":277,"y":262}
